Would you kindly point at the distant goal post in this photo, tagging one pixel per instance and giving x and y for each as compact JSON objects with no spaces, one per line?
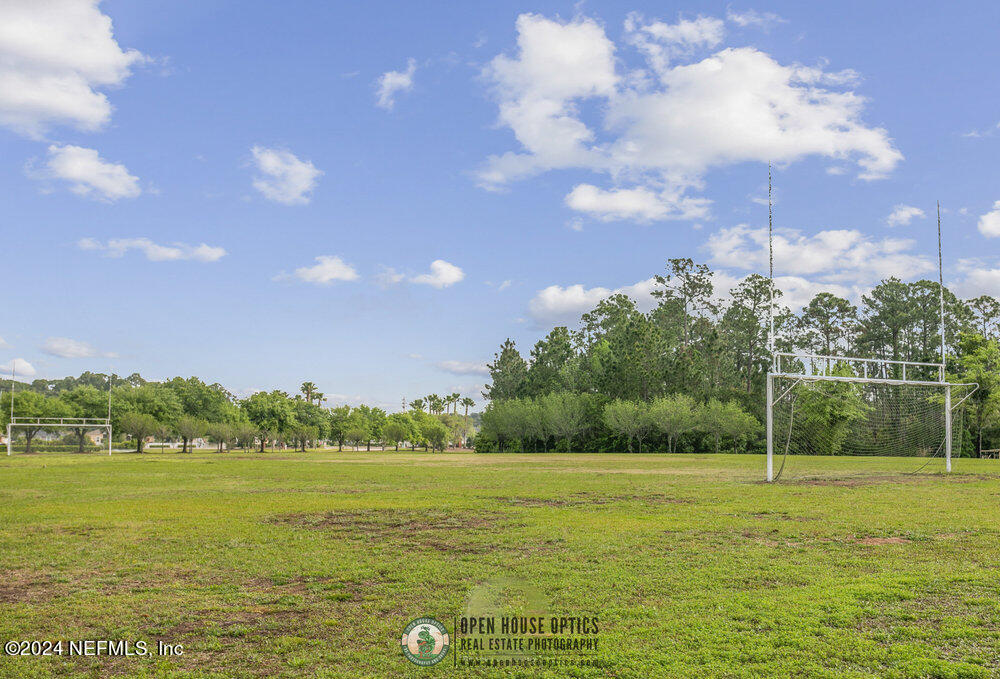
{"x":57,"y":423}
{"x":842,"y":405}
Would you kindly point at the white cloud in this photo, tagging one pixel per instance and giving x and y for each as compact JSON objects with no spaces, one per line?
{"x":20,"y":367}
{"x":88,"y":174}
{"x":989,"y":223}
{"x":657,"y":137}
{"x":391,"y":82}
{"x":65,"y":347}
{"x":979,"y":278}
{"x":441,"y":275}
{"x":326,"y":270}
{"x":55,"y":56}
{"x":837,"y":255}
{"x":389,"y":276}
{"x":640,"y":204}
{"x":504,"y":285}
{"x":556,"y":64}
{"x":752,"y":17}
{"x":3,"y":343}
{"x":902,"y":215}
{"x":660,"y":41}
{"x":117,"y":247}
{"x":284,"y":178}
{"x":462,"y":367}
{"x":558,"y":304}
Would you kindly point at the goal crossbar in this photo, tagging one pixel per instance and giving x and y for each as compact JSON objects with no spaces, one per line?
{"x":54,"y":422}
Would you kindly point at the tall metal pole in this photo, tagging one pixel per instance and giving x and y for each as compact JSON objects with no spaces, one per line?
{"x":770,"y":427}
{"x":10,"y":434}
{"x":109,"y":412}
{"x":947,"y":388}
{"x":770,"y":268}
{"x":770,"y":332}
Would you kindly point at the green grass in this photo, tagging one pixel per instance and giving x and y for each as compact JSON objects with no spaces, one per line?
{"x":290,"y":564}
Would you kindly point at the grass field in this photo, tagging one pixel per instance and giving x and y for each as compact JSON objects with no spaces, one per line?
{"x":304,"y":565}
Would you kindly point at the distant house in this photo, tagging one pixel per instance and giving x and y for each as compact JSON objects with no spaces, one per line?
{"x":96,"y":436}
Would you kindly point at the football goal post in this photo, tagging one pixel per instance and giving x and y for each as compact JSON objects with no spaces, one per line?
{"x":50,"y":423}
{"x":839,"y":405}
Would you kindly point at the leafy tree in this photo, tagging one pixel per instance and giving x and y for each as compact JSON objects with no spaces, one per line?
{"x":139,"y":426}
{"x":549,"y":358}
{"x":271,"y":412}
{"x":726,"y":419}
{"x":508,"y":372}
{"x":206,"y":402}
{"x":398,"y":427}
{"x":303,"y":434}
{"x":417,"y":404}
{"x":986,"y":316}
{"x":245,"y":435}
{"x":628,"y":418}
{"x":222,"y":434}
{"x":979,"y":362}
{"x":434,"y":433}
{"x":746,"y":325}
{"x":690,"y":285}
{"x":673,"y":416}
{"x":339,"y":420}
{"x":564,"y":415}
{"x":86,"y":401}
{"x":149,"y":398}
{"x":827,"y":324}
{"x":189,"y":428}
{"x":373,"y":421}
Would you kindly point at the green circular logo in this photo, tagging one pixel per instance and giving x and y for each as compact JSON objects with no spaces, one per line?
{"x":425,"y":642}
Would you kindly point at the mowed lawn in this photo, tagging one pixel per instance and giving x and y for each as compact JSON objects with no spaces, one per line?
{"x":302,"y":565}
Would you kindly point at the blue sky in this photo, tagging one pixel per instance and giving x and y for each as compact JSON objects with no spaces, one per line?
{"x":372,"y":196}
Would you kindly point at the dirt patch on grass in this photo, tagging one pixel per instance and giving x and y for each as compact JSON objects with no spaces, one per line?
{"x":382,"y":523}
{"x":874,"y":542}
{"x":778,"y":516}
{"x":585,"y":499}
{"x":880,"y":479}
{"x":408,"y":529}
{"x":18,"y":587}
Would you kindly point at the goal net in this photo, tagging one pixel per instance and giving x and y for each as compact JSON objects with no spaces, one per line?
{"x":839,"y":407}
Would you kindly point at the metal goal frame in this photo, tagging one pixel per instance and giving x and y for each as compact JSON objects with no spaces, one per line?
{"x":817,"y":368}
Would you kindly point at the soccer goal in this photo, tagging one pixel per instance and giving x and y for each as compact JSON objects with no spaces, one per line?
{"x":839,"y":405}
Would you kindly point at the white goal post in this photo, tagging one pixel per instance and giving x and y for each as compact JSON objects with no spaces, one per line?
{"x":906,"y":405}
{"x":55,"y":423}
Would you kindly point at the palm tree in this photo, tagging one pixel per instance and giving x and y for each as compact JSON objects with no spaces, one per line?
{"x":435,"y":403}
{"x":468,"y":403}
{"x":308,"y":388}
{"x":455,"y":398}
{"x":417,"y":404}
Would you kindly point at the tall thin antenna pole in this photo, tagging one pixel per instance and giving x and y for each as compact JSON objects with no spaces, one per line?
{"x":770,"y":268}
{"x":13,"y":373}
{"x":940,"y":282}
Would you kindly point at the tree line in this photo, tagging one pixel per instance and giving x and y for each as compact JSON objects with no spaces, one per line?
{"x":187,"y":409}
{"x":713,"y":351}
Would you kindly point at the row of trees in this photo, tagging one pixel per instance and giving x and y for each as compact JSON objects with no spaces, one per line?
{"x":561,"y":419}
{"x":711,"y":347}
{"x":190,"y":409}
